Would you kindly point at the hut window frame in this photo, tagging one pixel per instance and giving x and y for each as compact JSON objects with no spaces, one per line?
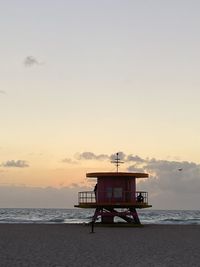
{"x":117,"y":192}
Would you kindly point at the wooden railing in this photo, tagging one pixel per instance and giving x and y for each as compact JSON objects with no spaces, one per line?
{"x":89,"y":197}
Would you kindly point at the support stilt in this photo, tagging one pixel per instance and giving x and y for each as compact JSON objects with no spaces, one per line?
{"x":94,"y":218}
{"x":135,"y":216}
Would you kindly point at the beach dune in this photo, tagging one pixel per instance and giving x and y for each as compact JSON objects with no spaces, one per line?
{"x":74,"y":245}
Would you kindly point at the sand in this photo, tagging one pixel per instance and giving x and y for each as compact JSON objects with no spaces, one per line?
{"x":73,"y":245}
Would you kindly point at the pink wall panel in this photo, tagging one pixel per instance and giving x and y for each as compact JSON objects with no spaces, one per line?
{"x":112,"y":189}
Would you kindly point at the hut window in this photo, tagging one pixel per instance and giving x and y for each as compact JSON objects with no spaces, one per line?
{"x":117,"y":192}
{"x":109,"y":192}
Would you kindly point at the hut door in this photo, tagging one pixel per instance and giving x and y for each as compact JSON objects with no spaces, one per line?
{"x":109,"y":193}
{"x":128,"y":191}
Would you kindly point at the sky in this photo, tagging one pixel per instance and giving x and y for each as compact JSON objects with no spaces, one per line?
{"x":82,"y":80}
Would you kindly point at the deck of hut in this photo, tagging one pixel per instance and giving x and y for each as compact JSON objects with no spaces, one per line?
{"x":115,"y":195}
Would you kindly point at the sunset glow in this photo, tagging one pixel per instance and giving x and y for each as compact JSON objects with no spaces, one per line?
{"x":82,"y":80}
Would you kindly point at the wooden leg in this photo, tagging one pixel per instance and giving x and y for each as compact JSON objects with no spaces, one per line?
{"x":94,"y":218}
{"x":135,"y":216}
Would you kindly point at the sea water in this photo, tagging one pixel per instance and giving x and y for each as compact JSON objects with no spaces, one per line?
{"x":74,"y":216}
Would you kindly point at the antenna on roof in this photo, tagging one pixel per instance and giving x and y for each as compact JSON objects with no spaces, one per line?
{"x":117,"y":161}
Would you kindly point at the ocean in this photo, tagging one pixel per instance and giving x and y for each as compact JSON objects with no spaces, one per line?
{"x":77,"y":216}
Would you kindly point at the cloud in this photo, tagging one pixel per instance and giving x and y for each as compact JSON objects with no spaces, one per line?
{"x":15,"y":164}
{"x":135,"y":159}
{"x":121,"y":156}
{"x":171,"y":184}
{"x":165,"y":175}
{"x":31,"y":61}
{"x":91,"y":156}
{"x":135,"y":168}
{"x":69,"y":161}
{"x":170,"y":188}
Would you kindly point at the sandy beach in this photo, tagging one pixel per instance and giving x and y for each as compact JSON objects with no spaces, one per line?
{"x":74,"y":245}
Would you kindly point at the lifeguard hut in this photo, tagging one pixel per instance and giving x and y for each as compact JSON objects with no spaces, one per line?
{"x":115,"y":195}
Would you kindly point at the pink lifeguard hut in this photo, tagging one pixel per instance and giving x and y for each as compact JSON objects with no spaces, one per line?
{"x":115,"y":195}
